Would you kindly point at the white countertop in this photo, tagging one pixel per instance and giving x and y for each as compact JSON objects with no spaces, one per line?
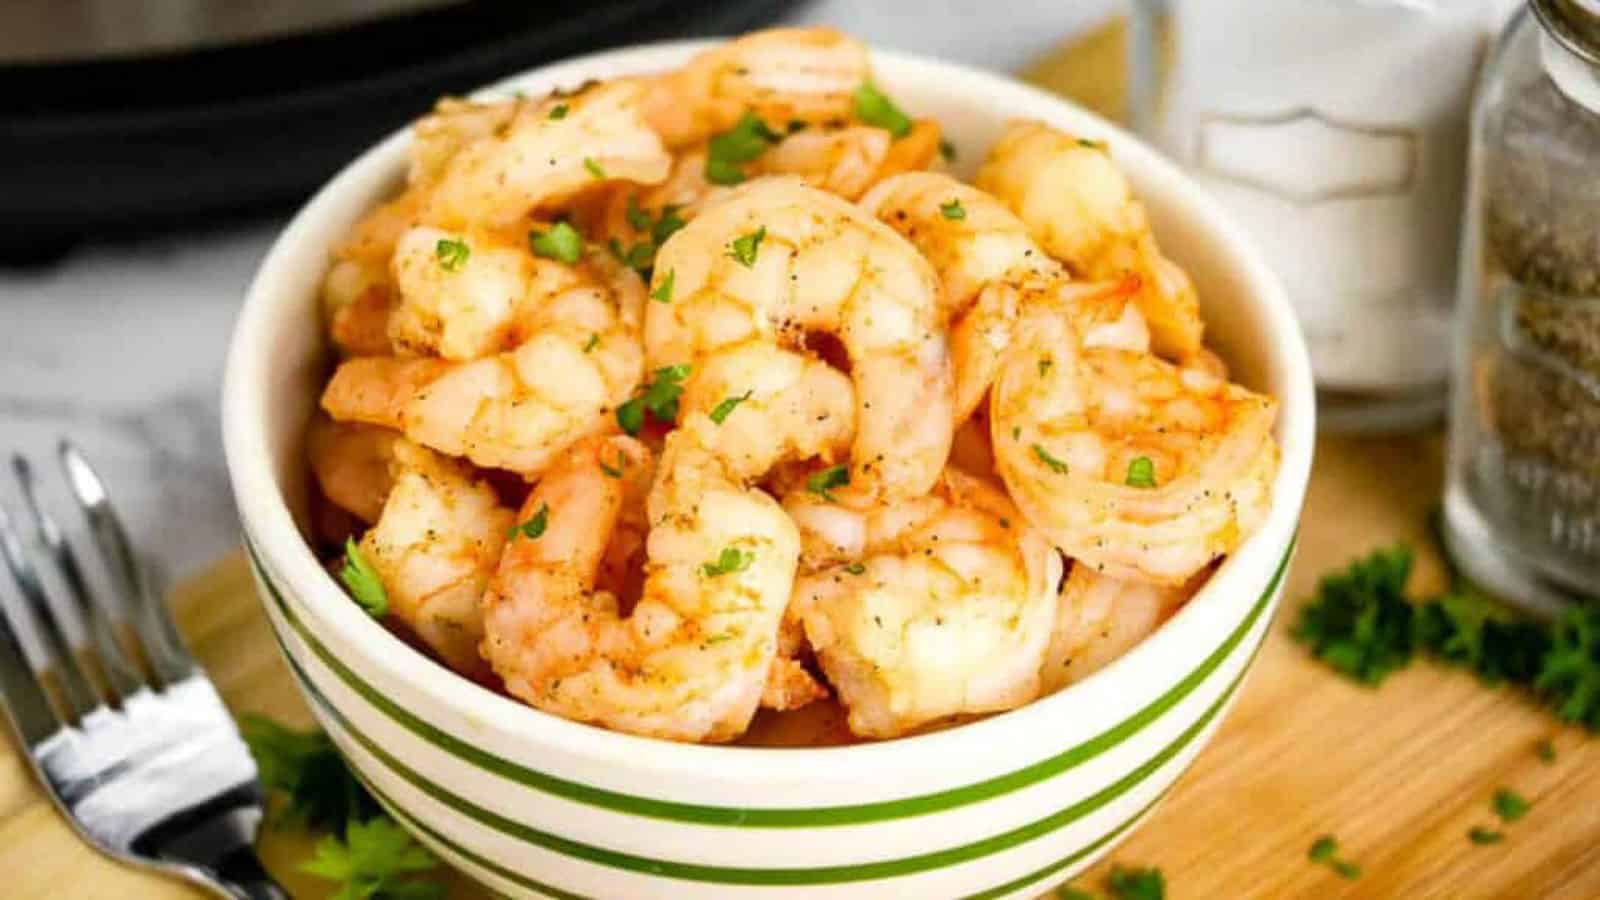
{"x":121,"y":347}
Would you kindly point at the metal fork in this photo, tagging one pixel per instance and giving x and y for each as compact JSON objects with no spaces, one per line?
{"x":126,"y":733}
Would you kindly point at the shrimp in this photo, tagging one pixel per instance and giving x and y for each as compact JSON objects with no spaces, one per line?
{"x":1128,"y":463}
{"x":783,"y":75}
{"x":455,"y":123}
{"x":778,"y":260}
{"x":577,"y":357}
{"x":351,"y":463}
{"x":931,"y":608}
{"x":459,"y":292}
{"x":690,"y":662}
{"x":987,"y":263}
{"x":1081,"y":208}
{"x":540,"y":157}
{"x":1099,"y":619}
{"x":357,"y":301}
{"x":849,"y":160}
{"x":434,"y":547}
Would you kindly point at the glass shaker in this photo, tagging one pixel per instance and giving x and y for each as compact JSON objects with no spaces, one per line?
{"x":1522,"y":500}
{"x":1335,"y":132}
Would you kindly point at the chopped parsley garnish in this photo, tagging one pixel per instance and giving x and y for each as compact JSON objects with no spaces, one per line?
{"x":659,"y":398}
{"x":1481,"y":835}
{"x":953,"y":210}
{"x":1545,"y":750}
{"x":727,"y":152}
{"x":1359,"y":622}
{"x":1091,"y":144}
{"x":726,"y":407}
{"x":594,"y":340}
{"x":1136,"y":884}
{"x":730,"y":560}
{"x":594,"y":167}
{"x":307,"y":768}
{"x":1045,"y":365}
{"x":1057,"y":466}
{"x":822,"y":483}
{"x":561,"y":242}
{"x":452,"y":253}
{"x":875,"y":108}
{"x":535,"y":525}
{"x":638,"y":219}
{"x":376,"y":858}
{"x":1325,"y":851}
{"x":719,"y":638}
{"x":559,"y":111}
{"x":1510,"y":805}
{"x":363,"y":582}
{"x":663,"y":291}
{"x":743,"y":248}
{"x":615,"y":472}
{"x":1141,"y":472}
{"x":855,"y":568}
{"x":640,"y":257}
{"x":947,"y":150}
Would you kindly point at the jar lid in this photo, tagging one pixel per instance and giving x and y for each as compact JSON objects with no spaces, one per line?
{"x":1575,"y":23}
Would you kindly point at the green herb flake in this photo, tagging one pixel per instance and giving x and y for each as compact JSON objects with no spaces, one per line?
{"x":873,"y":107}
{"x":362,"y":581}
{"x":560,"y":242}
{"x":667,"y":225}
{"x":1136,"y":884}
{"x":1510,"y":805}
{"x":1141,"y":473}
{"x":659,"y":398}
{"x":1045,"y":365}
{"x":304,"y":766}
{"x":1346,"y":869}
{"x":615,"y":472}
{"x":594,"y":168}
{"x":727,"y":152}
{"x":947,"y":150}
{"x":663,"y":291}
{"x":1057,"y":466}
{"x":953,"y":210}
{"x":822,"y":483}
{"x":1324,"y":851}
{"x":1091,"y":144}
{"x":535,"y":525}
{"x":1545,"y":750}
{"x":1359,"y":621}
{"x":719,"y":638}
{"x":638,"y":219}
{"x":452,"y":253}
{"x":730,"y":560}
{"x":591,"y":343}
{"x":376,"y":858}
{"x":630,"y":416}
{"x":743,"y":248}
{"x":856,"y":568}
{"x":726,"y":407}
{"x":559,"y":111}
{"x":1481,"y":835}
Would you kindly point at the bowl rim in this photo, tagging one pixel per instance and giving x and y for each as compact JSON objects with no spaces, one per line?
{"x":269,"y":526}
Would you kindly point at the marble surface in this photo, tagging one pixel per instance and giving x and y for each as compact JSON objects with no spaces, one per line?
{"x":121,"y":347}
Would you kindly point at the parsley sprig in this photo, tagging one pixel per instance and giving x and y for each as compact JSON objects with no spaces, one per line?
{"x":376,"y":859}
{"x":874,"y":107}
{"x":560,"y":242}
{"x":659,"y":398}
{"x":1123,"y":883}
{"x":362,"y":581}
{"x":730,"y":560}
{"x":728,"y":152}
{"x":1325,"y":851}
{"x":822,"y":483}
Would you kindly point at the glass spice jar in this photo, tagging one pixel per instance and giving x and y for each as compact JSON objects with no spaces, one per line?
{"x":1522,"y":498}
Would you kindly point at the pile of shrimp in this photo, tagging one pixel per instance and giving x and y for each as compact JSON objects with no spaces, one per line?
{"x":671,"y":399}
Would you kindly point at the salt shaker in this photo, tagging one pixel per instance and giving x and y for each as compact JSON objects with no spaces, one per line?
{"x":1522,"y":499}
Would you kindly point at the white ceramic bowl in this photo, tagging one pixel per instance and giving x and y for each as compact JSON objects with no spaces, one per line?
{"x":534,"y":805}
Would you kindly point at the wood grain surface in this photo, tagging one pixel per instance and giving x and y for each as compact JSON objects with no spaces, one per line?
{"x":1398,"y":774}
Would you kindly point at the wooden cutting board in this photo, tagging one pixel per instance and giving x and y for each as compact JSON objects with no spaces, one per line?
{"x":1399,"y":774}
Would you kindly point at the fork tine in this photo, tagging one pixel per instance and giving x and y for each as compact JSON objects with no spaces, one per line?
{"x":111,"y":661}
{"x":164,"y":649}
{"x":25,"y":699}
{"x":77,"y":698}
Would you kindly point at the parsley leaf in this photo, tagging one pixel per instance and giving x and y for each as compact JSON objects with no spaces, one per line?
{"x":594,"y":339}
{"x":307,"y":769}
{"x":732,"y":559}
{"x":1359,"y":621}
{"x":743,"y":248}
{"x":855,"y":568}
{"x":561,"y":242}
{"x":667,"y":225}
{"x":1057,"y":466}
{"x":622,"y":463}
{"x":1136,"y":884}
{"x":559,"y":111}
{"x":535,"y":525}
{"x":1510,"y":805}
{"x":1141,"y":472}
{"x":873,"y":107}
{"x":953,"y":210}
{"x":1325,"y":851}
{"x":1545,"y":750}
{"x":452,"y":253}
{"x":659,"y":398}
{"x":594,"y":168}
{"x":1481,"y":835}
{"x":727,"y":152}
{"x":638,"y":219}
{"x":947,"y":150}
{"x":663,"y":291}
{"x":630,"y":416}
{"x":822,"y":483}
{"x":363,"y":582}
{"x":726,"y":407}
{"x":375,"y":859}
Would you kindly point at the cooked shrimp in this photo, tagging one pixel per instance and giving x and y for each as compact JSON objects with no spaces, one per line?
{"x":849,"y":160}
{"x":783,"y":75}
{"x":513,"y":410}
{"x":459,"y":292}
{"x":357,"y":300}
{"x":352,"y":463}
{"x":455,"y":123}
{"x":1131,"y":465}
{"x":934,"y":607}
{"x":435,"y":546}
{"x":778,"y":260}
{"x":1099,"y":619}
{"x":691,"y":660}
{"x":988,"y":267}
{"x":539,"y":157}
{"x":1081,"y":208}
{"x":790,"y":685}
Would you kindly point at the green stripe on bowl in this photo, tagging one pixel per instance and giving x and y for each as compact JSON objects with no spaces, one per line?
{"x":777,"y":876}
{"x":769,"y":817}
